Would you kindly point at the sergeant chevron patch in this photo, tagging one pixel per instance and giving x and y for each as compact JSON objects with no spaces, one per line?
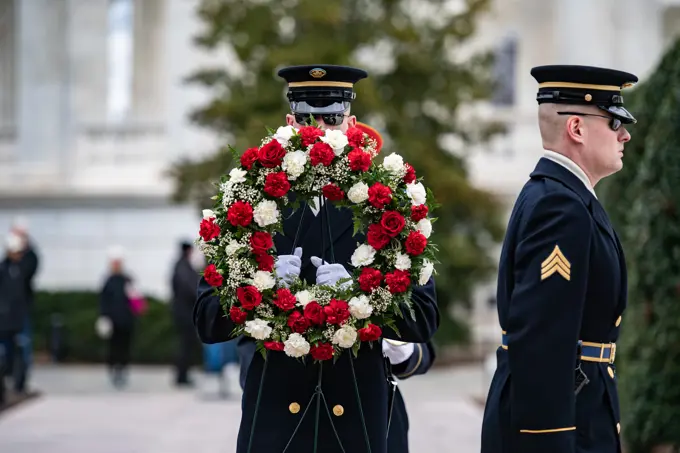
{"x":556,"y":262}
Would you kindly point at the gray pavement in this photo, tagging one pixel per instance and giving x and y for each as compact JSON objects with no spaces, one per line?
{"x":80,"y":412}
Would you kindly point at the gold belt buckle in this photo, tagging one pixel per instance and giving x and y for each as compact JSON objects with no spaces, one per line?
{"x":612,"y":355}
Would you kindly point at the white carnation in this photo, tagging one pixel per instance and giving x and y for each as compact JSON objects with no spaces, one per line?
{"x":358,"y":193}
{"x":416,"y":192}
{"x":266,"y":213}
{"x":208,"y":213}
{"x":263,"y":280}
{"x":258,"y":329}
{"x":345,"y":337}
{"x":336,"y":139}
{"x":294,"y":164}
{"x":236,"y":176}
{"x":394,"y":164}
{"x":304,"y":297}
{"x":283,"y":134}
{"x":359,"y":307}
{"x":425,"y":272}
{"x":403,"y":262}
{"x":296,"y":345}
{"x":232,"y":247}
{"x":363,"y":255}
{"x":425,"y":227}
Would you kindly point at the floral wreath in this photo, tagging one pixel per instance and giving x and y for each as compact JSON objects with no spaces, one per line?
{"x":389,"y":205}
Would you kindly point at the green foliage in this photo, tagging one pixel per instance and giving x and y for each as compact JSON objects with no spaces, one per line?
{"x":154,"y":340}
{"x":645,"y":203}
{"x":413,"y":104}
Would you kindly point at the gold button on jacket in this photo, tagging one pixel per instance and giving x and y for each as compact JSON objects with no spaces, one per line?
{"x":611,"y":372}
{"x":338,"y":410}
{"x":618,"y":428}
{"x":618,"y":321}
{"x":294,"y":408}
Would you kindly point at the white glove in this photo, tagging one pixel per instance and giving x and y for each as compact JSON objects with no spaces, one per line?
{"x":397,"y":351}
{"x":287,"y":267}
{"x":103,"y":327}
{"x":329,"y":274}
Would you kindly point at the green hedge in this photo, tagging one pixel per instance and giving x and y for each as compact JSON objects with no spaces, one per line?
{"x":154,"y":341}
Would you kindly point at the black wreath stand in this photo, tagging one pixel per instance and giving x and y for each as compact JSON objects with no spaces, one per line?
{"x":318,"y":391}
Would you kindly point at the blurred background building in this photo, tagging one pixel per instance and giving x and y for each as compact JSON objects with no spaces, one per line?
{"x":93,"y":110}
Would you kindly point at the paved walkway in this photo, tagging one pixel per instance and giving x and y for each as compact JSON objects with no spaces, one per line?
{"x":80,"y":413}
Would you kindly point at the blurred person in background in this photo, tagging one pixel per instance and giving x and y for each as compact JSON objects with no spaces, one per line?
{"x":29,"y":264}
{"x":184,"y":282}
{"x":14,"y":302}
{"x":117,"y":317}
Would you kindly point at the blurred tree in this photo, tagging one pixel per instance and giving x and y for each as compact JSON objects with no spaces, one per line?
{"x":412,"y":100}
{"x":644,"y":202}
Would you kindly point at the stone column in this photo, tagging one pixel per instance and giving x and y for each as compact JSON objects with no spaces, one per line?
{"x":149,"y":51}
{"x":42,"y":73}
{"x":87,"y":46}
{"x":584,"y":32}
{"x":7,"y":67}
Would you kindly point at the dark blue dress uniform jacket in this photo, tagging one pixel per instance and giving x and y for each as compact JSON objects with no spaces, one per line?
{"x":419,"y":363}
{"x":289,"y":383}
{"x":531,"y":405}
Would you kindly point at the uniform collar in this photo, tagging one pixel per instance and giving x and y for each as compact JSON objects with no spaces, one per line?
{"x":572,"y":167}
{"x":547,"y":168}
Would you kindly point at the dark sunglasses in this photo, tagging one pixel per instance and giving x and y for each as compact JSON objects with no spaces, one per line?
{"x":331,"y":119}
{"x":614,"y":123}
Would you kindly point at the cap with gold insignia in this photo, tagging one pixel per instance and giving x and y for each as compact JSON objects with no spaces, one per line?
{"x":321,"y":89}
{"x":584,"y":85}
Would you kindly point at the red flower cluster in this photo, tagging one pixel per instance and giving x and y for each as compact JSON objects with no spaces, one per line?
{"x":333,"y":192}
{"x":209,"y":230}
{"x":355,"y":137}
{"x":240,"y":214}
{"x":359,"y":160}
{"x":249,"y":296}
{"x":260,"y":243}
{"x":321,"y":153}
{"x":276,"y":185}
{"x":271,"y":155}
{"x":309,"y":134}
{"x":379,"y":195}
{"x":212,"y":277}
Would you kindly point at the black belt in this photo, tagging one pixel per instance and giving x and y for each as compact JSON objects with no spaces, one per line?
{"x":589,"y":351}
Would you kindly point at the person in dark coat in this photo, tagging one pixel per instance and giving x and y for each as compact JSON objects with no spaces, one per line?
{"x":357,"y":415}
{"x":562,"y":281}
{"x":14,"y":304}
{"x":184,"y":282}
{"x":115,"y":308}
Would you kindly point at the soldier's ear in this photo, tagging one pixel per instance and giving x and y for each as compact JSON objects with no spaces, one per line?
{"x":575,"y":129}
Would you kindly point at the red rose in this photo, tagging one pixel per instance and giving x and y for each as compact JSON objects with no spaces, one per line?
{"x":415,"y":243}
{"x":209,"y":230}
{"x":284,"y":299}
{"x":249,"y":158}
{"x":321,"y":153}
{"x":240,"y":214}
{"x":333,"y":192}
{"x":260,"y":242}
{"x":322,"y":351}
{"x":297,"y":322}
{"x":237,"y":315}
{"x":211,"y":276}
{"x":392,"y":222}
{"x":274,"y":345}
{"x":355,"y":137}
{"x":271,"y":154}
{"x":309,"y":134}
{"x":337,"y":312}
{"x":276,"y":185}
{"x":398,"y":281}
{"x":377,"y":237}
{"x":369,"y":333}
{"x":315,"y":313}
{"x":410,"y":175}
{"x":359,"y":160}
{"x":369,"y":279}
{"x":249,"y":297}
{"x":418,"y":212}
{"x":265,"y":262}
{"x":379,"y":195}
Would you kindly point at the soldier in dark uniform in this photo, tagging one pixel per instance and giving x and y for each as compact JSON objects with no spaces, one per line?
{"x":289,"y":384}
{"x":562,"y":284}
